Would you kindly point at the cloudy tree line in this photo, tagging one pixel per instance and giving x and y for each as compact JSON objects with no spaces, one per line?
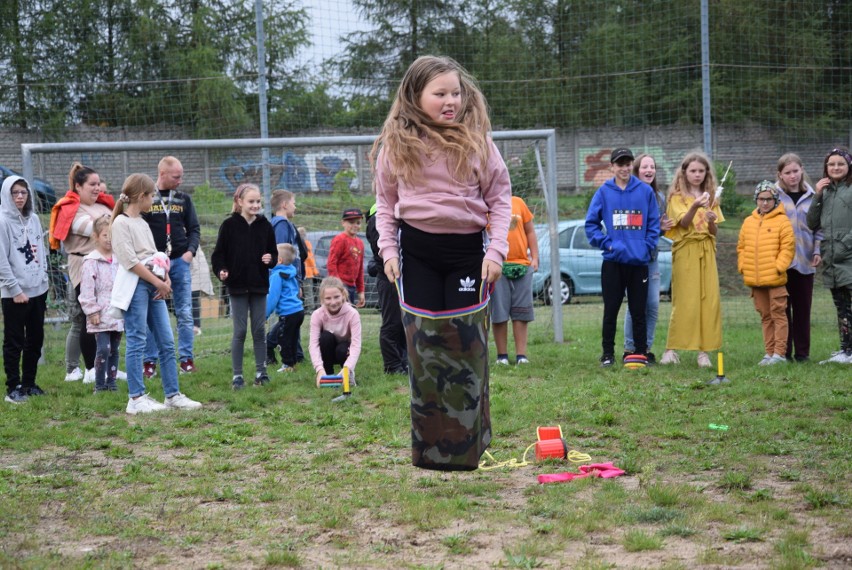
{"x":553,"y":63}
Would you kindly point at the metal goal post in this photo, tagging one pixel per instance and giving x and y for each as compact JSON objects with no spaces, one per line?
{"x":547,"y":169}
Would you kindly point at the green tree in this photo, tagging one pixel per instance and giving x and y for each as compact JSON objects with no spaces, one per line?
{"x":403,"y":29}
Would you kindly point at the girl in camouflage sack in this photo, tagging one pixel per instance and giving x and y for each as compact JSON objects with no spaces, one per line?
{"x":439,"y":181}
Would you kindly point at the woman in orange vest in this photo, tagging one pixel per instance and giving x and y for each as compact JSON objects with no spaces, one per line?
{"x":71,"y":224}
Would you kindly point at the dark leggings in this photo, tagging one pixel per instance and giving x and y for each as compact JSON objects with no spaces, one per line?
{"x":196,"y":308}
{"x":391,"y":334}
{"x":616,"y":278}
{"x":843,"y":302}
{"x":106,"y":359}
{"x":23,"y":337}
{"x":288,"y":337}
{"x":333,"y":351}
{"x":88,"y":342}
{"x":800,"y":291}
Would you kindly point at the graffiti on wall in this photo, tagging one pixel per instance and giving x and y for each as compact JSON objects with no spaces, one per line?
{"x":594,"y":165}
{"x":308,"y":172}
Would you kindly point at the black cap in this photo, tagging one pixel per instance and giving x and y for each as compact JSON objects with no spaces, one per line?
{"x":352,"y":213}
{"x":620,"y":153}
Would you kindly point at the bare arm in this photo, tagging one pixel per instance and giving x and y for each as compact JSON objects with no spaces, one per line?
{"x":711,"y":217}
{"x":532,"y":240}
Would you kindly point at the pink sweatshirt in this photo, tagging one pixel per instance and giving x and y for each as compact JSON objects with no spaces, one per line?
{"x":346,"y":324}
{"x":439,"y":204}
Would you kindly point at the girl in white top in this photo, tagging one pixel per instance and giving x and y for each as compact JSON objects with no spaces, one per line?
{"x":133,"y":243}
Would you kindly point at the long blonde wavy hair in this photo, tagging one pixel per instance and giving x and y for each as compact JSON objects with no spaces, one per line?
{"x":408,"y":133}
{"x":680,"y":185}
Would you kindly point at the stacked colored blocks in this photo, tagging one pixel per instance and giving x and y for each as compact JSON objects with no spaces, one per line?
{"x":633,"y":361}
{"x":334,"y":381}
{"x":340,"y":380}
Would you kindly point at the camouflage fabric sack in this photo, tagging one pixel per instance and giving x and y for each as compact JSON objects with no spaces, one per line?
{"x":448,"y":373}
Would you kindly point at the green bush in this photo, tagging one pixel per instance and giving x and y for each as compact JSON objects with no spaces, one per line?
{"x":732,"y":203}
{"x":212,"y":204}
{"x":343,"y":186}
{"x":523,"y":171}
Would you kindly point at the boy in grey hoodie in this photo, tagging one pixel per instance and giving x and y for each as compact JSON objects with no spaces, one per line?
{"x":23,"y":288}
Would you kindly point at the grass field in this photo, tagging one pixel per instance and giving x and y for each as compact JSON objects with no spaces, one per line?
{"x":282,"y":477}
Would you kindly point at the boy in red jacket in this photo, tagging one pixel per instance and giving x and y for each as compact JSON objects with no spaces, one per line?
{"x":346,"y":256}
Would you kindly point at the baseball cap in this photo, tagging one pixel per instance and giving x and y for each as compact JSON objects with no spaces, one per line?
{"x":620,"y":153}
{"x":352,"y":213}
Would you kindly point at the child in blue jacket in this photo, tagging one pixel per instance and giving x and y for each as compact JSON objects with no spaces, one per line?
{"x":284,"y":300}
{"x":624,"y":222}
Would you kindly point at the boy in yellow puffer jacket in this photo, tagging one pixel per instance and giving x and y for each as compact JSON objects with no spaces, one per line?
{"x":765,"y":250}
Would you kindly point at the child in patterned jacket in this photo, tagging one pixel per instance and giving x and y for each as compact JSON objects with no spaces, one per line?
{"x":99,"y":270}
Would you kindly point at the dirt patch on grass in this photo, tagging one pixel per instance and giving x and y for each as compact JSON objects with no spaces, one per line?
{"x":372,"y":538}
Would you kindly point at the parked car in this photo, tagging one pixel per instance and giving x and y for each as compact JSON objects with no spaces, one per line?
{"x":45,"y":196}
{"x":580,"y":263}
{"x":321,"y":242}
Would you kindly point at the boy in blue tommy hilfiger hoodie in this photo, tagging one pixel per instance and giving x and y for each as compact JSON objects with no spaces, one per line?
{"x":283,"y":299}
{"x":628,"y":212}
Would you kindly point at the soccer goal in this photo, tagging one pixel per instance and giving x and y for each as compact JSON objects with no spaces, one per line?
{"x":326,"y":173}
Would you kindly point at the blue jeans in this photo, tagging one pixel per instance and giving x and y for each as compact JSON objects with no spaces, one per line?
{"x":181,"y":278}
{"x":353,"y":293}
{"x":144,"y":314}
{"x":652,"y":309}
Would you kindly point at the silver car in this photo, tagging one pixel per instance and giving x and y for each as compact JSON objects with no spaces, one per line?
{"x":580,"y":263}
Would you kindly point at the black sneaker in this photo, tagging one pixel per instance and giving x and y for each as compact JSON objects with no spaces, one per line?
{"x":17,"y":396}
{"x":652,"y":360}
{"x":238,"y":383}
{"x":607,"y":360}
{"x":34,"y":390}
{"x":261,"y":379}
{"x":625,"y":354}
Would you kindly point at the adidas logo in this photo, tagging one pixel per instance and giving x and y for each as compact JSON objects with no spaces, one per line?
{"x":467,"y":285}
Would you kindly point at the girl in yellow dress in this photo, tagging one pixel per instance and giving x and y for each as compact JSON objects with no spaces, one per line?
{"x":696,"y":319}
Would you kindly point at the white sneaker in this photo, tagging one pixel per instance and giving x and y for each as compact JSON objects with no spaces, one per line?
{"x":74,"y":375}
{"x":765,"y":361}
{"x":121,"y":375}
{"x":840,"y":357}
{"x":181,"y":402}
{"x":144,"y":404}
{"x":89,"y":377}
{"x":776,"y":359}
